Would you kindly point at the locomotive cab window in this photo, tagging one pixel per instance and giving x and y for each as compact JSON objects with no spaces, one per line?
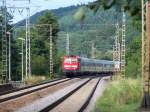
{"x":68,"y":60}
{"x":74,"y":60}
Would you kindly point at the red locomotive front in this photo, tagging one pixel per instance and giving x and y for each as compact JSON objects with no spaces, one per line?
{"x":71,"y":63}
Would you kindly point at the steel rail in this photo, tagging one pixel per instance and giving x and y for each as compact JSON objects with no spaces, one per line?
{"x":18,"y":89}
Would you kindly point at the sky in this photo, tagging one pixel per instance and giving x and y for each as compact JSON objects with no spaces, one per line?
{"x":38,"y":5}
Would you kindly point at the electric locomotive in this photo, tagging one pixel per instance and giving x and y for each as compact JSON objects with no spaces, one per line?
{"x":75,"y":65}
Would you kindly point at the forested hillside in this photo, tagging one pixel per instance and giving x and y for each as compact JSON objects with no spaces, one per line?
{"x":57,"y":12}
{"x":99,"y":26}
{"x":96,"y":28}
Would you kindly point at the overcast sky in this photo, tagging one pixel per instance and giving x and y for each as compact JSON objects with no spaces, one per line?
{"x":38,"y":5}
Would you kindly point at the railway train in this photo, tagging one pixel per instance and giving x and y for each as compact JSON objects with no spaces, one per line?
{"x":76,"y":65}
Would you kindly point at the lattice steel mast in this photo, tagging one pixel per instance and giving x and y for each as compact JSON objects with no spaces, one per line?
{"x":4,"y":44}
{"x":123,"y":47}
{"x":116,"y":50}
{"x":51,"y":53}
{"x":28,"y":46}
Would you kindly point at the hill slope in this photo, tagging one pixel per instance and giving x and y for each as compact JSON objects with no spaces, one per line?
{"x":57,"y":12}
{"x":97,"y":28}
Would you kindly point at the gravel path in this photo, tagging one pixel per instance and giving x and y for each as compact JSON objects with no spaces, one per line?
{"x":19,"y":102}
{"x":40,"y":104}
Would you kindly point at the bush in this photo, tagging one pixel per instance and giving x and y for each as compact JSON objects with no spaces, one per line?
{"x":120,"y":96}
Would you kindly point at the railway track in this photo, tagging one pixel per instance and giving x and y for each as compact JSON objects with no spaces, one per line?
{"x":12,"y":103}
{"x":73,"y":98}
{"x":23,"y":88}
{"x":30,"y":89}
{"x":79,"y":100}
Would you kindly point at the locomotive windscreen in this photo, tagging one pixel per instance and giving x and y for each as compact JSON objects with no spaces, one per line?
{"x":70,"y":60}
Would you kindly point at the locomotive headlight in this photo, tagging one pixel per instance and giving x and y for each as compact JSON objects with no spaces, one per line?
{"x":66,"y":65}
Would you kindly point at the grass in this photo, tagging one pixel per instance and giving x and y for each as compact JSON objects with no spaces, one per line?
{"x":121,"y":96}
{"x":34,"y":80}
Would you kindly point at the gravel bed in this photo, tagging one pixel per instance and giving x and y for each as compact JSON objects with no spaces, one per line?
{"x":19,"y":102}
{"x":98,"y":93}
{"x":42,"y":103}
{"x":75,"y":102}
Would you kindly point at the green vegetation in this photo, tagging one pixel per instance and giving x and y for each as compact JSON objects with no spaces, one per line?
{"x":121,"y":96}
{"x":133,"y":57}
{"x":97,"y":27}
{"x":40,"y":42}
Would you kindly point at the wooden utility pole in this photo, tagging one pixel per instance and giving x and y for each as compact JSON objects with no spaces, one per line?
{"x":146,"y":52}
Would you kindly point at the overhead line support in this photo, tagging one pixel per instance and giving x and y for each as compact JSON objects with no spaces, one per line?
{"x":146,"y":53}
{"x":123,"y":45}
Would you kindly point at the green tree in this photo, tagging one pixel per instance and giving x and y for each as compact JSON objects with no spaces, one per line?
{"x":44,"y":30}
{"x":15,"y":60}
{"x":132,"y":6}
{"x":39,"y":65}
{"x":133,"y":58}
{"x":40,"y":43}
